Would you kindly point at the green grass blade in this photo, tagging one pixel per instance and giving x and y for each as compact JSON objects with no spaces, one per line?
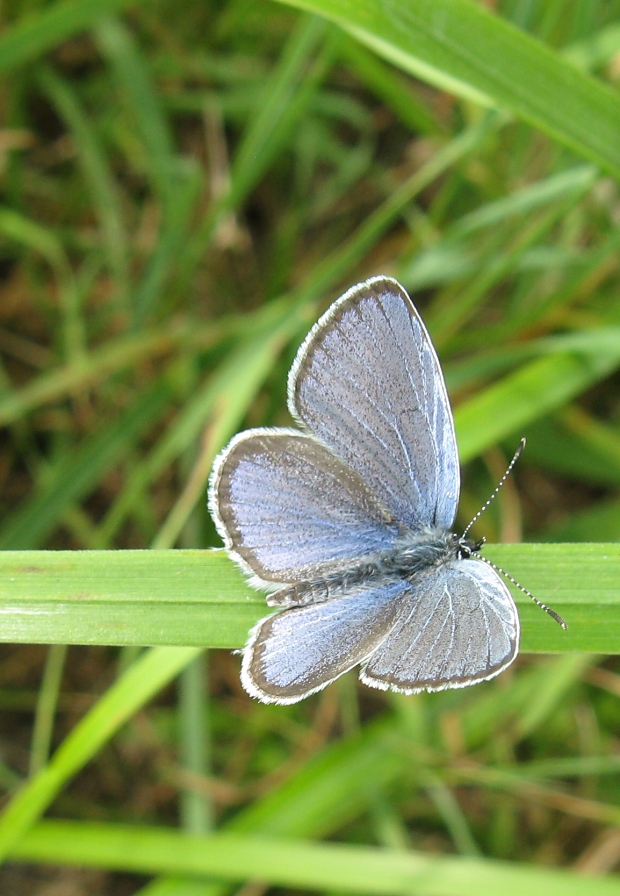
{"x":286,"y":94}
{"x":136,"y":686}
{"x":596,"y":49}
{"x":46,"y":28}
{"x":79,"y":472}
{"x":46,"y":707}
{"x":329,"y":790}
{"x":460,"y":47}
{"x":181,"y":205}
{"x":448,"y":258}
{"x":115,"y":355}
{"x":577,"y":445}
{"x":298,"y":864}
{"x":129,"y":69}
{"x":390,"y":87}
{"x":44,"y":241}
{"x":97,"y":172}
{"x":600,"y":520}
{"x":537,"y":388}
{"x":200,"y":598}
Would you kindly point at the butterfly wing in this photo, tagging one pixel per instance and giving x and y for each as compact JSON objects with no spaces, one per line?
{"x":368,"y":383}
{"x":289,"y":510}
{"x":457,"y":625}
{"x":299,"y":651}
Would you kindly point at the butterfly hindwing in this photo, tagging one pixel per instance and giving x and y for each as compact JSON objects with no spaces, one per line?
{"x":299,"y":651}
{"x":457,"y":625}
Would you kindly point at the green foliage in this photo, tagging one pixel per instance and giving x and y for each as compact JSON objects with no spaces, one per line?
{"x":185,"y":186}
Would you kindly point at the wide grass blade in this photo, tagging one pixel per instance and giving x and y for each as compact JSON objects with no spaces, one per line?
{"x":298,"y":864}
{"x":460,"y":47}
{"x":199,"y":598}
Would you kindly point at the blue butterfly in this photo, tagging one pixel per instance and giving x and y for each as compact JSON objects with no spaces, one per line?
{"x":347,"y":520}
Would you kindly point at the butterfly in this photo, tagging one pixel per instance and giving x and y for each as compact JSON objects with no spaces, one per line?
{"x":347,"y":519}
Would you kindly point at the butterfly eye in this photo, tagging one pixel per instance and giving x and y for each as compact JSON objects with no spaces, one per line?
{"x":465,"y":550}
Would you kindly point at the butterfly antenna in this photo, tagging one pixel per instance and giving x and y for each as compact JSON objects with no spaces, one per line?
{"x":516,"y":457}
{"x":499,"y":569}
{"x":518,"y":585}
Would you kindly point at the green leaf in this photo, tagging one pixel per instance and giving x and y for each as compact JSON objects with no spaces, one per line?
{"x":200,"y":598}
{"x":45,"y":28}
{"x":131,"y":691}
{"x":535,"y":389}
{"x":97,"y":173}
{"x":293,"y":863}
{"x":144,"y":104}
{"x":460,"y":47}
{"x":101,"y":363}
{"x":80,"y":470}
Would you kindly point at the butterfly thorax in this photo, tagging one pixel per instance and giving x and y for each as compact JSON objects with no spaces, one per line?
{"x":412,"y":554}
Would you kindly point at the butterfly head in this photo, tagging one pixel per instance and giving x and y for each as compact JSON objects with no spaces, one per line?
{"x":466,"y":547}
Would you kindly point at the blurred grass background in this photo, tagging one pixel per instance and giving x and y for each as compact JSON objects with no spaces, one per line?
{"x":185,"y":187}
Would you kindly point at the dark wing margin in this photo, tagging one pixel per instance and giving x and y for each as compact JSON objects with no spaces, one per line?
{"x":458,"y":625}
{"x":367,"y":382}
{"x":289,"y":510}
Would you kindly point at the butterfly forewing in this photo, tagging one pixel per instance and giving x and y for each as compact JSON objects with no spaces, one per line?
{"x":367,"y":381}
{"x":291,"y":510}
{"x":457,"y":625}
